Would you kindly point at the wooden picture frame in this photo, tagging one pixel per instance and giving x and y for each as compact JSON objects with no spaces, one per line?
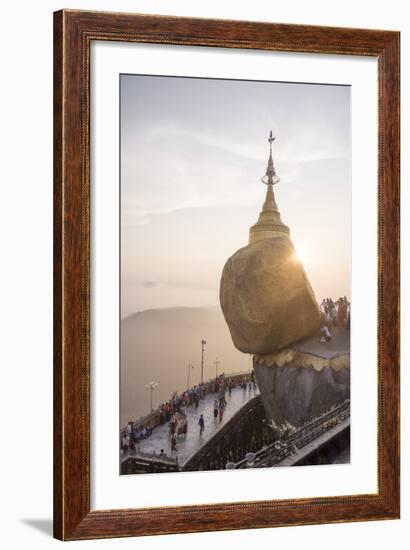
{"x":74,"y":32}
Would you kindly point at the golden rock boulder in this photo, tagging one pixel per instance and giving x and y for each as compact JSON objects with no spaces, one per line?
{"x":266,"y":298}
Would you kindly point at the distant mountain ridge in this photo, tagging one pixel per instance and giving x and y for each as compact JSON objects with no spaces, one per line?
{"x":159,"y":344}
{"x":171,"y":310}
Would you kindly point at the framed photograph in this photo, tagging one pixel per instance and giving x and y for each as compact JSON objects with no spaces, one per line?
{"x":226,"y":275}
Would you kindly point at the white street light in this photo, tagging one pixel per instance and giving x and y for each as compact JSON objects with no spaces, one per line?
{"x":216,"y":363}
{"x":203,"y":343}
{"x":151,"y":386}
{"x":189,"y":372}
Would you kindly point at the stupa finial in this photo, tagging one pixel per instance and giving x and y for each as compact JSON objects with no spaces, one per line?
{"x":270,"y":177}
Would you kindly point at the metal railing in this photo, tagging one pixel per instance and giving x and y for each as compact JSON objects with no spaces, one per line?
{"x":277,"y":451}
{"x":149,"y":457}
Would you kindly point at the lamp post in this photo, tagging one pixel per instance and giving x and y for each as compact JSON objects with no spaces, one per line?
{"x":189,"y":372}
{"x":151,"y":386}
{"x":216,"y":363}
{"x":203,"y":343}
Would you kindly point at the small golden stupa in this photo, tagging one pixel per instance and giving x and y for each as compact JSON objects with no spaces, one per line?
{"x":269,"y":224}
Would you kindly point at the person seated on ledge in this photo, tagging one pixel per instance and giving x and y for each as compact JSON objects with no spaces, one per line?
{"x":136,"y":434}
{"x":125,"y":442}
{"x":325,"y":334}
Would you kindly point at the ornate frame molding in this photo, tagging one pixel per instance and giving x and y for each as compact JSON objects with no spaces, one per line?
{"x":73,"y":33}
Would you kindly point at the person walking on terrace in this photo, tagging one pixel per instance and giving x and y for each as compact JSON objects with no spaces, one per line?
{"x":201,"y":423}
{"x":215,"y":409}
{"x":221,"y":410}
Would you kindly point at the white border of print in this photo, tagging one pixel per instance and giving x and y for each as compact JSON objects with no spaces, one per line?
{"x":108,"y":488}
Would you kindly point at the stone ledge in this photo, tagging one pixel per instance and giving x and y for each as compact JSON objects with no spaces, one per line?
{"x":293,"y":358}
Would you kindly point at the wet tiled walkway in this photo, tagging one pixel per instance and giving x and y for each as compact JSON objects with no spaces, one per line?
{"x":160,"y":438}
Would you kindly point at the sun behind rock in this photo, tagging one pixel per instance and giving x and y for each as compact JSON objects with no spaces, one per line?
{"x":266,"y":298}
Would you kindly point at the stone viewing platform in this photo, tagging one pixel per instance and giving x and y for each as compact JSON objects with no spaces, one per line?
{"x":310,"y":352}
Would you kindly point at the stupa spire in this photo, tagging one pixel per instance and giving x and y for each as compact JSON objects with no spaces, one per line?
{"x":269,"y":224}
{"x":270,"y":177}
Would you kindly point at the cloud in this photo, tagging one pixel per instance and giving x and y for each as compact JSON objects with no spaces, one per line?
{"x":192,"y":155}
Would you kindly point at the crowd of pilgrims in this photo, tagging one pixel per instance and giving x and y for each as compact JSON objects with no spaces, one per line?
{"x":332,"y":315}
{"x":174,"y":411}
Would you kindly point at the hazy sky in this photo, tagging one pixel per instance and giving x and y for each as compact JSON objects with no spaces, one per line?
{"x":192,"y":155}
